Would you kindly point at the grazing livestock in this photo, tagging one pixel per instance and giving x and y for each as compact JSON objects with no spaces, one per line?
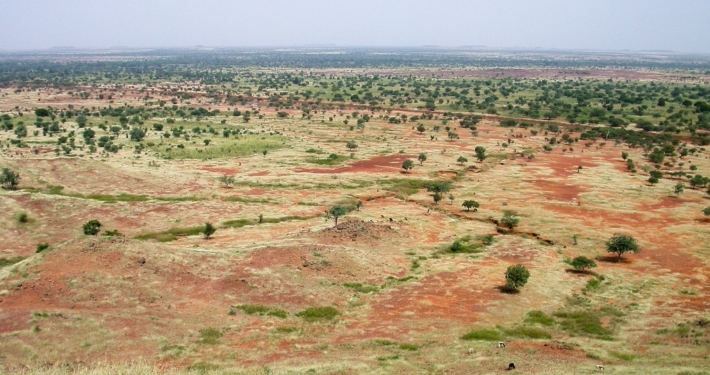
{"x":501,"y":344}
{"x":511,"y":366}
{"x":471,"y":351}
{"x":600,"y":367}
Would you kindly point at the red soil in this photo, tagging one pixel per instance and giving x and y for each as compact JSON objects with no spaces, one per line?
{"x":378,"y":164}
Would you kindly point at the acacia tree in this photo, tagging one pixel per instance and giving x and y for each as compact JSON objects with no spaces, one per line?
{"x":621,"y":244}
{"x":422,"y":158}
{"x":706,"y":211}
{"x":582,"y":263}
{"x":510,"y":219}
{"x":9,"y":179}
{"x":461,"y":160}
{"x":480,"y":153}
{"x":469,"y":204}
{"x":516,"y":276}
{"x":407,"y":165}
{"x":337,"y":211}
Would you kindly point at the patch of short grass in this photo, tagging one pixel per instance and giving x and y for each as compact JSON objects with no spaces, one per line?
{"x":681,"y":330}
{"x":202,"y":367}
{"x":409,"y":347}
{"x":210,"y":336}
{"x":360,"y":288}
{"x":248,"y":200}
{"x":465,"y":245}
{"x":584,"y":323}
{"x":171,"y":234}
{"x":404,"y":186}
{"x":528,"y":333}
{"x":539,"y":317}
{"x":623,"y":356}
{"x":4,"y":262}
{"x":483,"y":335}
{"x":333,"y":159}
{"x":314,"y":314}
{"x":259,"y":310}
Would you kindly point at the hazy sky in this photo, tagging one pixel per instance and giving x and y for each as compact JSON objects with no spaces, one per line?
{"x":679,"y":25}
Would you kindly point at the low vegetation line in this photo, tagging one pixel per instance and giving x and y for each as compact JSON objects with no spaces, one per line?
{"x":109,"y":198}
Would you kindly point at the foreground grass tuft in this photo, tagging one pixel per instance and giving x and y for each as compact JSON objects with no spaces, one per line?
{"x":314,"y":314}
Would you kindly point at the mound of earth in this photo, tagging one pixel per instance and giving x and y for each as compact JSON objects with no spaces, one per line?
{"x":358,"y":230}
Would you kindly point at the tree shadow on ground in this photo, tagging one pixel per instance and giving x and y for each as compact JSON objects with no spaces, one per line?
{"x":613,"y":259}
{"x":507,"y":290}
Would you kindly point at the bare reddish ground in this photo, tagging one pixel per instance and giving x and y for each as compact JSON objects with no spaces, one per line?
{"x":378,"y":164}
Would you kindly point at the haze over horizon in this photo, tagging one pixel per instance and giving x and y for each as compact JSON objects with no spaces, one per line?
{"x":637,"y":25}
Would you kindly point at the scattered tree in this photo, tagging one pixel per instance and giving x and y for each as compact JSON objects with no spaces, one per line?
{"x":337,"y":211}
{"x":9,"y":179}
{"x":227,"y":180}
{"x":451,"y":198}
{"x":510,"y":219}
{"x":480,"y":153}
{"x":92,"y":228}
{"x":621,"y":244}
{"x":421,"y":129}
{"x":678,"y":189}
{"x":461,"y":160}
{"x":516,"y":276}
{"x":351,"y":145}
{"x":407,"y":164}
{"x":137,"y":134}
{"x":706,"y":211}
{"x":422,"y":158}
{"x":209,"y":230}
{"x":582,"y":263}
{"x":469,"y":204}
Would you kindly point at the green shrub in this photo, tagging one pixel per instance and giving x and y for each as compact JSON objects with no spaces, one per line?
{"x":585,"y":323}
{"x":539,"y":317}
{"x":23,"y":218}
{"x":313,"y":314}
{"x":92,"y":227}
{"x":259,"y":310}
{"x":483,"y":334}
{"x":41,"y":247}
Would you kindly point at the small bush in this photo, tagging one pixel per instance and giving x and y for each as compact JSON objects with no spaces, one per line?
{"x":259,"y":310}
{"x":23,"y":218}
{"x":92,"y":228}
{"x":41,"y":247}
{"x":313,"y":314}
{"x":483,"y":334}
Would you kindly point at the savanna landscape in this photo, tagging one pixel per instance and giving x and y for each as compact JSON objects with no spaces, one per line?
{"x":399,"y":211}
